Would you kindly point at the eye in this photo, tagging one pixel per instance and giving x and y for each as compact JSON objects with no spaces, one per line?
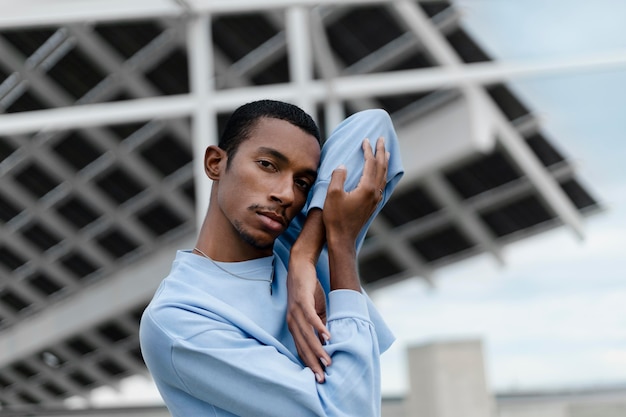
{"x":303,"y":184}
{"x":265,"y":164}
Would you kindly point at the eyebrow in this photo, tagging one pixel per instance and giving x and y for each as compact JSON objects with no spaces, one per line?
{"x":284,"y":159}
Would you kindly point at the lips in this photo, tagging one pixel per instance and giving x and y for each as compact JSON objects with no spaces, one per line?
{"x":272,"y":221}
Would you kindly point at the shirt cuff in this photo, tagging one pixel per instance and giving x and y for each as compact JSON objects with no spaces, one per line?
{"x":347,"y":304}
{"x":318,"y":195}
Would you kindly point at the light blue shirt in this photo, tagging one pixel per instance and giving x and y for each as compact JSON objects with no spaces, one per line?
{"x":217,"y":345}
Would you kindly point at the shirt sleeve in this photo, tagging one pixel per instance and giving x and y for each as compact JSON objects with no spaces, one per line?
{"x":226,"y":367}
{"x":344,"y":147}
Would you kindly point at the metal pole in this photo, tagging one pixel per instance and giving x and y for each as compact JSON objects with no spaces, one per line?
{"x":300,"y":57}
{"x":347,"y":87}
{"x":203,"y":118}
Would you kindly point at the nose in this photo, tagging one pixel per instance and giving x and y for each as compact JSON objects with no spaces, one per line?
{"x":283,"y":192}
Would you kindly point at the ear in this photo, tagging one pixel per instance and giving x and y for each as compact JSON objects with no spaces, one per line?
{"x":215,"y":159}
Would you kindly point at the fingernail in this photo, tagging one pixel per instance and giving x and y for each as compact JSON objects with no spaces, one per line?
{"x":326,"y":338}
{"x":342,"y":166}
{"x":318,"y":378}
{"x":324,"y":362}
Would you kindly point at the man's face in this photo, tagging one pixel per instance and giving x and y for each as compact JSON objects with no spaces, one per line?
{"x":267,"y":182}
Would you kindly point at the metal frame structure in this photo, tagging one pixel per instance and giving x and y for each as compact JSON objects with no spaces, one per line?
{"x":104,"y":187}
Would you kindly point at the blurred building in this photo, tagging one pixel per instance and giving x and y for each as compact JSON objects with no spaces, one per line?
{"x":105,"y":104}
{"x":447,"y":379}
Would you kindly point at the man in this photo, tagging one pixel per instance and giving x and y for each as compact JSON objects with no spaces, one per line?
{"x":235,"y":328}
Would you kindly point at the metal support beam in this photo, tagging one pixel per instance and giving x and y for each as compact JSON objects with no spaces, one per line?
{"x":401,"y":252}
{"x":28,"y":13}
{"x":300,"y":56}
{"x":513,"y":143}
{"x":548,"y":188}
{"x":204,"y":119}
{"x":347,"y":87}
{"x":94,"y":304}
{"x":90,"y":115}
{"x":466,"y":219}
{"x":239,"y":6}
{"x":328,"y":67}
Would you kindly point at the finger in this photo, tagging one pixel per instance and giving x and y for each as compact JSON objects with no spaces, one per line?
{"x":382,"y":159}
{"x":308,"y":347}
{"x":310,"y":325}
{"x":337,"y":179}
{"x":369,"y":166}
{"x":368,"y":152}
{"x":373,"y":178}
{"x":380,"y":149}
{"x":318,"y":325}
{"x":322,"y":337}
{"x":310,"y":361}
{"x":309,"y":333}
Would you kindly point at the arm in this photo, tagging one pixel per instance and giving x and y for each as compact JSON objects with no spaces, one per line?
{"x":306,"y":312}
{"x":222,"y":367}
{"x":345,"y":213}
{"x":344,"y":146}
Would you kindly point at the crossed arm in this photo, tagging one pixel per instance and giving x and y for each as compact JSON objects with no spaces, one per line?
{"x":338,"y":225}
{"x":306,"y":311}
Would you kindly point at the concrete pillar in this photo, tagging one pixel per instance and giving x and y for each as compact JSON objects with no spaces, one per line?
{"x":447,"y":379}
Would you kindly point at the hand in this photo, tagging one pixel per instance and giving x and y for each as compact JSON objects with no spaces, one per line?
{"x":306,"y":315}
{"x":345,"y":213}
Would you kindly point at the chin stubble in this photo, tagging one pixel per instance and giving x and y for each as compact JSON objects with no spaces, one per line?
{"x":249,"y":239}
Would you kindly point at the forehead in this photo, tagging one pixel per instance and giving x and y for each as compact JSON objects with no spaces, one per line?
{"x":294,"y":143}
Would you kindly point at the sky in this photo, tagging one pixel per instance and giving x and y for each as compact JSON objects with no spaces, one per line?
{"x":554,"y":316}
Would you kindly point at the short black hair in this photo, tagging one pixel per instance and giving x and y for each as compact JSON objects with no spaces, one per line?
{"x":243,"y":120}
